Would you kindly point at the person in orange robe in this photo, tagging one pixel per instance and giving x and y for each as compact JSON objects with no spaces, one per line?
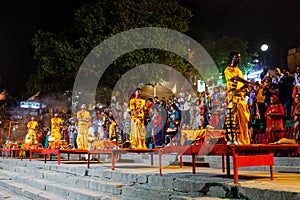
{"x":31,"y":132}
{"x":84,"y":122}
{"x":137,"y":107}
{"x":55,"y":136}
{"x":236,"y":98}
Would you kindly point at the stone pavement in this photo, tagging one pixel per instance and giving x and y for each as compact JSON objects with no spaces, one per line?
{"x":136,"y":179}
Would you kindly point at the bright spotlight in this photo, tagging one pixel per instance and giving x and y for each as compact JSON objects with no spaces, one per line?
{"x":264,"y":47}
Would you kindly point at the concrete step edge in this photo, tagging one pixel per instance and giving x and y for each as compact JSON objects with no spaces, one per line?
{"x":26,"y":191}
{"x":5,"y":194}
{"x":186,"y":163}
{"x":53,"y":176}
{"x":132,"y":192}
{"x":116,"y":178}
{"x":72,"y":183}
{"x":52,"y":189}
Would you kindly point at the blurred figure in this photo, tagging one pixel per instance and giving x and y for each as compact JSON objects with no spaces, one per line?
{"x":65,"y":135}
{"x":269,"y":89}
{"x":126,"y":117}
{"x":46,"y":140}
{"x":260,"y":98}
{"x":157,"y":126}
{"x":149,"y":105}
{"x":73,"y":131}
{"x":98,"y":125}
{"x":277,"y":77}
{"x":286,"y":86}
{"x":215,"y":108}
{"x":296,"y":117}
{"x":297,"y":79}
{"x":174,"y":118}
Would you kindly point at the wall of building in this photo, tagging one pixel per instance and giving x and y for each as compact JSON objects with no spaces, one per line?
{"x":293,"y":58}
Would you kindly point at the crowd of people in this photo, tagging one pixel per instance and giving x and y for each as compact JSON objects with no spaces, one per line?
{"x":145,"y":123}
{"x":275,"y":101}
{"x":158,"y":119}
{"x":153,"y":118}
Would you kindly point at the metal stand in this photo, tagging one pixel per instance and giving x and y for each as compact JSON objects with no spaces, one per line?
{"x":231,"y":128}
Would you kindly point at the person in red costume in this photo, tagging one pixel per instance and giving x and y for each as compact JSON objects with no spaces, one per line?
{"x":274,"y":121}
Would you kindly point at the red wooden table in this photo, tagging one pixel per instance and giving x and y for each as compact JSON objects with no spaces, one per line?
{"x":253,"y":155}
{"x":21,"y":150}
{"x":112,"y":152}
{"x":243,"y":155}
{"x":58,"y":152}
{"x":15,"y":151}
{"x":99,"y":152}
{"x":31,"y":152}
{"x":5,"y":151}
{"x":192,"y":150}
{"x":115,"y":152}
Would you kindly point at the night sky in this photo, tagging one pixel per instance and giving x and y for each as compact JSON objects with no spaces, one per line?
{"x":275,"y":23}
{"x":257,"y":21}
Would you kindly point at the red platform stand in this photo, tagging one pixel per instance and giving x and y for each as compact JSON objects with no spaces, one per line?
{"x":31,"y":152}
{"x":58,"y":152}
{"x":115,"y":152}
{"x":242,"y":155}
{"x":251,"y":155}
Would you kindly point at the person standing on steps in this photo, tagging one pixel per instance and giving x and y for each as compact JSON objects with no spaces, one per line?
{"x":137,"y":107}
{"x":236,"y":90}
{"x":84,"y":122}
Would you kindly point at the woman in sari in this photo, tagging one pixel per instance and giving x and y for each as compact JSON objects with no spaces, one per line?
{"x":274,"y":124}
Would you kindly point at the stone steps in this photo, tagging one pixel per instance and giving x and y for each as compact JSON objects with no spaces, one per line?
{"x":30,"y":188}
{"x":5,"y":194}
{"x":40,"y":184}
{"x":23,"y":191}
{"x":189,"y":163}
{"x":182,"y":187}
{"x":70,"y":179}
{"x":138,"y":193}
{"x":39,"y":180}
{"x":73,"y":184}
{"x":157,"y":194}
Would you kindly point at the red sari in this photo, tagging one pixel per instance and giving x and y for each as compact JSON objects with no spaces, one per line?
{"x":274,"y":125}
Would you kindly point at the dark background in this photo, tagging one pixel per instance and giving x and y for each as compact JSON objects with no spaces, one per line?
{"x":257,"y":21}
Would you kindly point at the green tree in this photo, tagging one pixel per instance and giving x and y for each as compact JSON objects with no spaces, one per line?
{"x":59,"y":56}
{"x":220,"y":49}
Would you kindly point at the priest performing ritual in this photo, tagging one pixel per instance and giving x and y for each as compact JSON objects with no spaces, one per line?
{"x":237,"y":107}
{"x":137,"y":112}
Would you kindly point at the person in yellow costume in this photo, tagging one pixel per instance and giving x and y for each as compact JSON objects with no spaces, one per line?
{"x":31,"y":132}
{"x":55,"y":136}
{"x":137,"y":108}
{"x":84,"y":122}
{"x":112,"y":128}
{"x":236,"y":97}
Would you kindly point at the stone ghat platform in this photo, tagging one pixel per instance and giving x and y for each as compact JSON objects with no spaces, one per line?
{"x":138,"y":180}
